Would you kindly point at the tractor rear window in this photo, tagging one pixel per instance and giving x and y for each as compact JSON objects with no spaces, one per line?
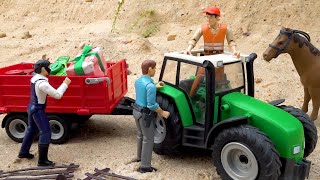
{"x":234,"y":75}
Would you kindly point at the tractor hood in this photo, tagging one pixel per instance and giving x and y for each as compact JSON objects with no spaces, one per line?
{"x":283,"y":129}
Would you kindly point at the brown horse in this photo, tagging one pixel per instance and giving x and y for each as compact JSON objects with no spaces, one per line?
{"x":306,"y":59}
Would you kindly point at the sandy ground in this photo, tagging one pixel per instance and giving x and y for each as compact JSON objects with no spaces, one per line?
{"x":58,"y":26}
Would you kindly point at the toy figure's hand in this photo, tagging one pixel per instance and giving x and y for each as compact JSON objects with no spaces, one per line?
{"x":165,"y":114}
{"x":237,"y":54}
{"x":160,"y":85}
{"x":187,"y":52}
{"x":67,"y":81}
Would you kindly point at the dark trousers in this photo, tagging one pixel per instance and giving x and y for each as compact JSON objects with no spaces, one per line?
{"x":36,"y":120}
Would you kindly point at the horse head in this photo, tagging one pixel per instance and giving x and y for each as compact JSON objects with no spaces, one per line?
{"x":282,"y":43}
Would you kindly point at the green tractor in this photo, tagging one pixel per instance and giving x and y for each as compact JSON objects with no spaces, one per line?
{"x":249,"y":139}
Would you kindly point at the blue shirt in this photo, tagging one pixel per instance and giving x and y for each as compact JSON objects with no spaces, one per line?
{"x":146,"y":93}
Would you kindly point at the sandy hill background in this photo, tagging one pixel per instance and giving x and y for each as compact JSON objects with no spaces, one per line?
{"x":145,"y":30}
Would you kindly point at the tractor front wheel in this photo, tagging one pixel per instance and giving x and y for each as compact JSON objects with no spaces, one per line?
{"x":245,"y":153}
{"x":310,"y":130}
{"x":168,"y":132}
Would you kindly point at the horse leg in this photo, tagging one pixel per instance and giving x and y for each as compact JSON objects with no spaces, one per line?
{"x":306,"y":100}
{"x":315,"y":96}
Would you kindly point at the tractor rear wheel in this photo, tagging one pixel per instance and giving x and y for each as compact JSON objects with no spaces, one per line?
{"x":168,"y":132}
{"x":245,"y":153}
{"x":310,"y":130}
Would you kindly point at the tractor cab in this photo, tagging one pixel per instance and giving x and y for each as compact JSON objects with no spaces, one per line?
{"x":203,"y":79}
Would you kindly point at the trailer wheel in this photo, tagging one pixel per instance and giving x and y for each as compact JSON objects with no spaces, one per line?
{"x":310,"y":130}
{"x":168,"y":133}
{"x":16,"y":126}
{"x":245,"y":153}
{"x":60,"y":129}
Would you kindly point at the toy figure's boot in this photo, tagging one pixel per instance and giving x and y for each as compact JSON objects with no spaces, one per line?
{"x":25,"y":147}
{"x":24,"y":155}
{"x":43,"y":155}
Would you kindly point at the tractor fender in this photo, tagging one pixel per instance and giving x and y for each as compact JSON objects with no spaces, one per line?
{"x":216,"y":129}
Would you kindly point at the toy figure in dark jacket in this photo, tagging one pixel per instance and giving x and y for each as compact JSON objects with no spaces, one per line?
{"x":37,"y":118}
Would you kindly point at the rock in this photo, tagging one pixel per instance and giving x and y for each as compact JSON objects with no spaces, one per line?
{"x":258,"y":80}
{"x":2,"y":34}
{"x":171,"y":37}
{"x":126,"y":41}
{"x":88,"y":0}
{"x":245,"y":30}
{"x":246,"y":33}
{"x":26,"y":35}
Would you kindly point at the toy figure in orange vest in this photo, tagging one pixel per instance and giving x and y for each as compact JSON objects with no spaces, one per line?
{"x":214,"y":34}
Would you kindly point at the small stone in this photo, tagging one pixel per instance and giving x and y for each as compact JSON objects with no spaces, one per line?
{"x":258,"y":80}
{"x":88,"y":0}
{"x":171,"y":37}
{"x":246,"y":33}
{"x":2,"y":34}
{"x":126,"y":41}
{"x":26,"y":35}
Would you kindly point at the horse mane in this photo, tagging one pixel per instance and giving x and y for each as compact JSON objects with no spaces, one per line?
{"x":305,"y":41}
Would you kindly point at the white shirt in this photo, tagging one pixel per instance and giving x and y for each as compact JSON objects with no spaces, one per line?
{"x":42,"y":88}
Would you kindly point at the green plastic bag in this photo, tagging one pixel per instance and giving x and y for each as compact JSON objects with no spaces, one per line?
{"x":58,"y":68}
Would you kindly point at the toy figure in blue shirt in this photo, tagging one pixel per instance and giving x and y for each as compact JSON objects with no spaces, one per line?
{"x":145,"y":111}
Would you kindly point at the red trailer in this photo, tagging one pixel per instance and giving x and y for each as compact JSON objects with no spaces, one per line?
{"x":85,"y":96}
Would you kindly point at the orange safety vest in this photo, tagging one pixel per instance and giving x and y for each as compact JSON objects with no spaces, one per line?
{"x":213,"y":44}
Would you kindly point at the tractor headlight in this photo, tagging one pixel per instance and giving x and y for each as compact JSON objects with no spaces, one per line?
{"x":219,"y":63}
{"x":296,"y":150}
